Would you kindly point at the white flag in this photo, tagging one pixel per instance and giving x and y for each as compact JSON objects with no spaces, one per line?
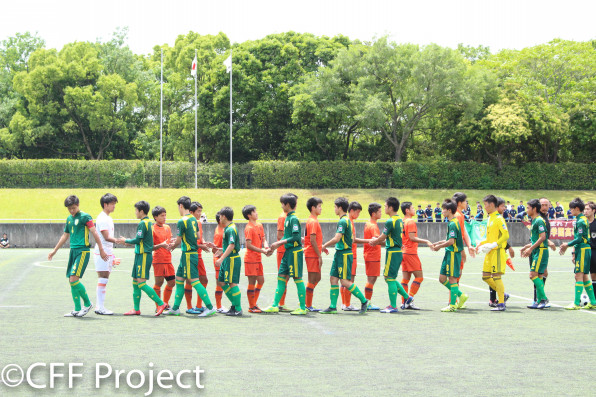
{"x":193,"y":68}
{"x":228,"y":64}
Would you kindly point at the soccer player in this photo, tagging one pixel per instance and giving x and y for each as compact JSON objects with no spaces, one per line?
{"x":538,"y":250}
{"x":372,"y":255}
{"x":163,"y":270}
{"x":188,"y":269}
{"x":341,"y":269}
{"x":497,"y":235}
{"x":141,"y":268}
{"x":450,"y":267}
{"x":196,"y":210}
{"x":256,"y":244}
{"x":411,"y":264}
{"x":509,"y":253}
{"x":544,"y":206}
{"x":461,"y":200}
{"x":78,"y":226}
{"x":217,"y":244}
{"x":105,"y":226}
{"x":438,"y":212}
{"x":313,"y":242}
{"x":281,"y":220}
{"x":589,"y":213}
{"x":292,"y":261}
{"x":392,"y":236}
{"x":354,"y":210}
{"x":230,"y":262}
{"x":582,"y":255}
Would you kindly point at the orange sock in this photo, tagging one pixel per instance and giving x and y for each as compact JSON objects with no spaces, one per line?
{"x":167,"y":293}
{"x":310,"y":288}
{"x":282,"y":301}
{"x":199,"y":300}
{"x":257,"y":293}
{"x":188,"y":294}
{"x":218,"y":295}
{"x":368,"y":291}
{"x":348,"y":297}
{"x":404,"y":283}
{"x":250,"y":294}
{"x":157,"y":291}
{"x":415,"y":285}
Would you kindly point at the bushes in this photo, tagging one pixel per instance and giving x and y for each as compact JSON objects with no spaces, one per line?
{"x":281,"y":174}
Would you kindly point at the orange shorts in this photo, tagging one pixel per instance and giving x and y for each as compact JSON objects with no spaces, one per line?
{"x":163,"y":270}
{"x":373,"y":268}
{"x":253,"y":268}
{"x":354,"y":264}
{"x":312,"y":265}
{"x":411,"y":263}
{"x":280,"y":254}
{"x":201,"y":266}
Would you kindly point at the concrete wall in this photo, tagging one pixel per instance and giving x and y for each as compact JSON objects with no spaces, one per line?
{"x":45,"y":235}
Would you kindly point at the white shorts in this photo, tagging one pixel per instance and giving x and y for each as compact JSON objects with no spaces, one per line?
{"x":103,"y":266}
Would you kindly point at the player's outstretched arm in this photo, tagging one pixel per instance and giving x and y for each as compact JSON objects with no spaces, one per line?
{"x":331,"y":242}
{"x":58,"y":246}
{"x":102,"y":253}
{"x":379,"y":240}
{"x":225,"y":254}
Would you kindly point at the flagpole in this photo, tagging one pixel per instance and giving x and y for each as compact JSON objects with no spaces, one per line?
{"x":230,"y":119}
{"x":161,"y":123}
{"x":196,"y":122}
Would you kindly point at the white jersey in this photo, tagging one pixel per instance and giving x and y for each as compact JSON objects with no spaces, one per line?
{"x":104,"y":222}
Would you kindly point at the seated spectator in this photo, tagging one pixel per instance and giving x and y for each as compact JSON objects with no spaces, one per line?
{"x":506,"y":215}
{"x":479,"y":213}
{"x":429,"y":213}
{"x":4,"y":243}
{"x":513,"y":215}
{"x":438,"y":212}
{"x":420,"y":214}
{"x":559,"y":211}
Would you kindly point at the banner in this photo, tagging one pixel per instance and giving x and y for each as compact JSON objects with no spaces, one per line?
{"x":476,"y":230}
{"x":560,"y":229}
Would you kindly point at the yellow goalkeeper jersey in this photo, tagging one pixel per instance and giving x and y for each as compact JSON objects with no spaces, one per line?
{"x":496,"y":230}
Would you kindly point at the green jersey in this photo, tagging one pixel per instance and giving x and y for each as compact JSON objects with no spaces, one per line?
{"x":538,"y":227}
{"x":144,"y":239}
{"x":231,"y":237}
{"x":581,"y":233}
{"x":454,"y":231}
{"x":78,"y":227}
{"x":292,"y":233}
{"x":187,"y":229}
{"x":394,"y":227}
{"x":344,"y":226}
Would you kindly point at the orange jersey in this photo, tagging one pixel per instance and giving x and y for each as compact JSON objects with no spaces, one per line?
{"x":256,"y":235}
{"x":409,"y":247}
{"x":280,"y":228}
{"x":218,"y":237}
{"x":354,"y":245}
{"x":161,"y":234}
{"x":312,"y":227}
{"x":461,"y":219}
{"x":200,"y":237}
{"x":372,"y":254}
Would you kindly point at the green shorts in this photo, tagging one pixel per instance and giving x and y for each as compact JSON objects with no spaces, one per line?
{"x":229,"y":272}
{"x":342,"y":264}
{"x":292,"y":263}
{"x":582,"y":261}
{"x":393,"y":258}
{"x":539,"y":260}
{"x":142,"y":265}
{"x":78,"y":259}
{"x":451,"y":265}
{"x":189,"y":266}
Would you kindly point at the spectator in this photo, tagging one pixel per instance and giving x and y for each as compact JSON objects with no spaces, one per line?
{"x":513,"y":214}
{"x":559,"y":211}
{"x":551,"y":212}
{"x":479,"y":213}
{"x":429,"y":213}
{"x":509,"y":207}
{"x":569,"y":216}
{"x":420,"y":214}
{"x":4,"y":243}
{"x":468,"y":209}
{"x":438,"y":212}
{"x":521,"y":208}
{"x":506,"y":215}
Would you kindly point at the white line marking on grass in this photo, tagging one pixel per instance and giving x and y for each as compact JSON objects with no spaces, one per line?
{"x":14,"y":307}
{"x":317,"y":325}
{"x":39,"y":264}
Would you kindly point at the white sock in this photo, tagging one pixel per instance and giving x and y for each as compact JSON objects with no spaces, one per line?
{"x":101,"y":292}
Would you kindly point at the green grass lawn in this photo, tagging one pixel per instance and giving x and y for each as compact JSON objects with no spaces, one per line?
{"x":22,"y":204}
{"x":470,"y":352}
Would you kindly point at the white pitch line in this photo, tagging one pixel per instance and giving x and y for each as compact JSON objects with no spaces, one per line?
{"x":14,"y":306}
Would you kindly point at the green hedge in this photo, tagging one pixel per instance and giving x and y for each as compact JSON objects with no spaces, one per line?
{"x":280,"y":174}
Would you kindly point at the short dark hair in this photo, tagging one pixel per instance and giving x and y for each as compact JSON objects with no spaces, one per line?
{"x":459,"y":197}
{"x":289,"y":198}
{"x":312,"y":203}
{"x":342,"y":203}
{"x":185,"y":201}
{"x":449,"y":205}
{"x":535,"y":203}
{"x":491,"y":198}
{"x":228,"y":212}
{"x":393,"y":203}
{"x":107,"y":198}
{"x":247,"y":210}
{"x":194,"y":206}
{"x":354,"y":206}
{"x":157,"y":211}
{"x":142,"y":206}
{"x":577,"y":203}
{"x":373,"y":207}
{"x":405,"y":205}
{"x":71,"y":200}
{"x":591,"y":204}
{"x":500,"y":201}
{"x":217,"y":218}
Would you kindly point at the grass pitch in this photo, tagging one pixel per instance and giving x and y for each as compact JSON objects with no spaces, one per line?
{"x":470,"y":352}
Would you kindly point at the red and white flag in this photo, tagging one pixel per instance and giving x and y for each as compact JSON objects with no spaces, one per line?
{"x":193,"y":68}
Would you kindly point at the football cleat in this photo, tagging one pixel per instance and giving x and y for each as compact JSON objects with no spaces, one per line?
{"x":329,"y":310}
{"x":541,"y":304}
{"x":222,"y":310}
{"x":160,"y":309}
{"x":133,"y":312}
{"x":534,"y":305}
{"x":234,"y":313}
{"x":500,"y":308}
{"x":373,"y":307}
{"x":450,"y":308}
{"x":104,"y":312}
{"x":408,"y":302}
{"x":272,"y":309}
{"x":572,"y":306}
{"x":462,"y":300}
{"x":71,"y":314}
{"x":283,"y":309}
{"x":412,"y":306}
{"x":299,"y":312}
{"x":312,"y":309}
{"x":255,"y":309}
{"x":363,"y":307}
{"x":84,"y":310}
{"x":389,"y":309}
{"x":172,"y":312}
{"x":207,"y":312}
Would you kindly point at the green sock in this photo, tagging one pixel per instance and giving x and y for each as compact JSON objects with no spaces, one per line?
{"x":590,"y":292}
{"x":333,"y":294}
{"x":301,"y":292}
{"x":279,"y":291}
{"x":150,"y":293}
{"x":75,"y":295}
{"x":228,"y":291}
{"x":540,"y":294}
{"x":136,"y":296}
{"x":579,"y":287}
{"x":83,"y":293}
{"x":446,"y":284}
{"x":454,"y":295}
{"x":401,"y":290}
{"x":202,"y":292}
{"x":357,"y":293}
{"x":236,"y":297}
{"x":179,"y":294}
{"x":392,"y":286}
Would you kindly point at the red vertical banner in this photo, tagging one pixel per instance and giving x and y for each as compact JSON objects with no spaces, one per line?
{"x":560,"y":229}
